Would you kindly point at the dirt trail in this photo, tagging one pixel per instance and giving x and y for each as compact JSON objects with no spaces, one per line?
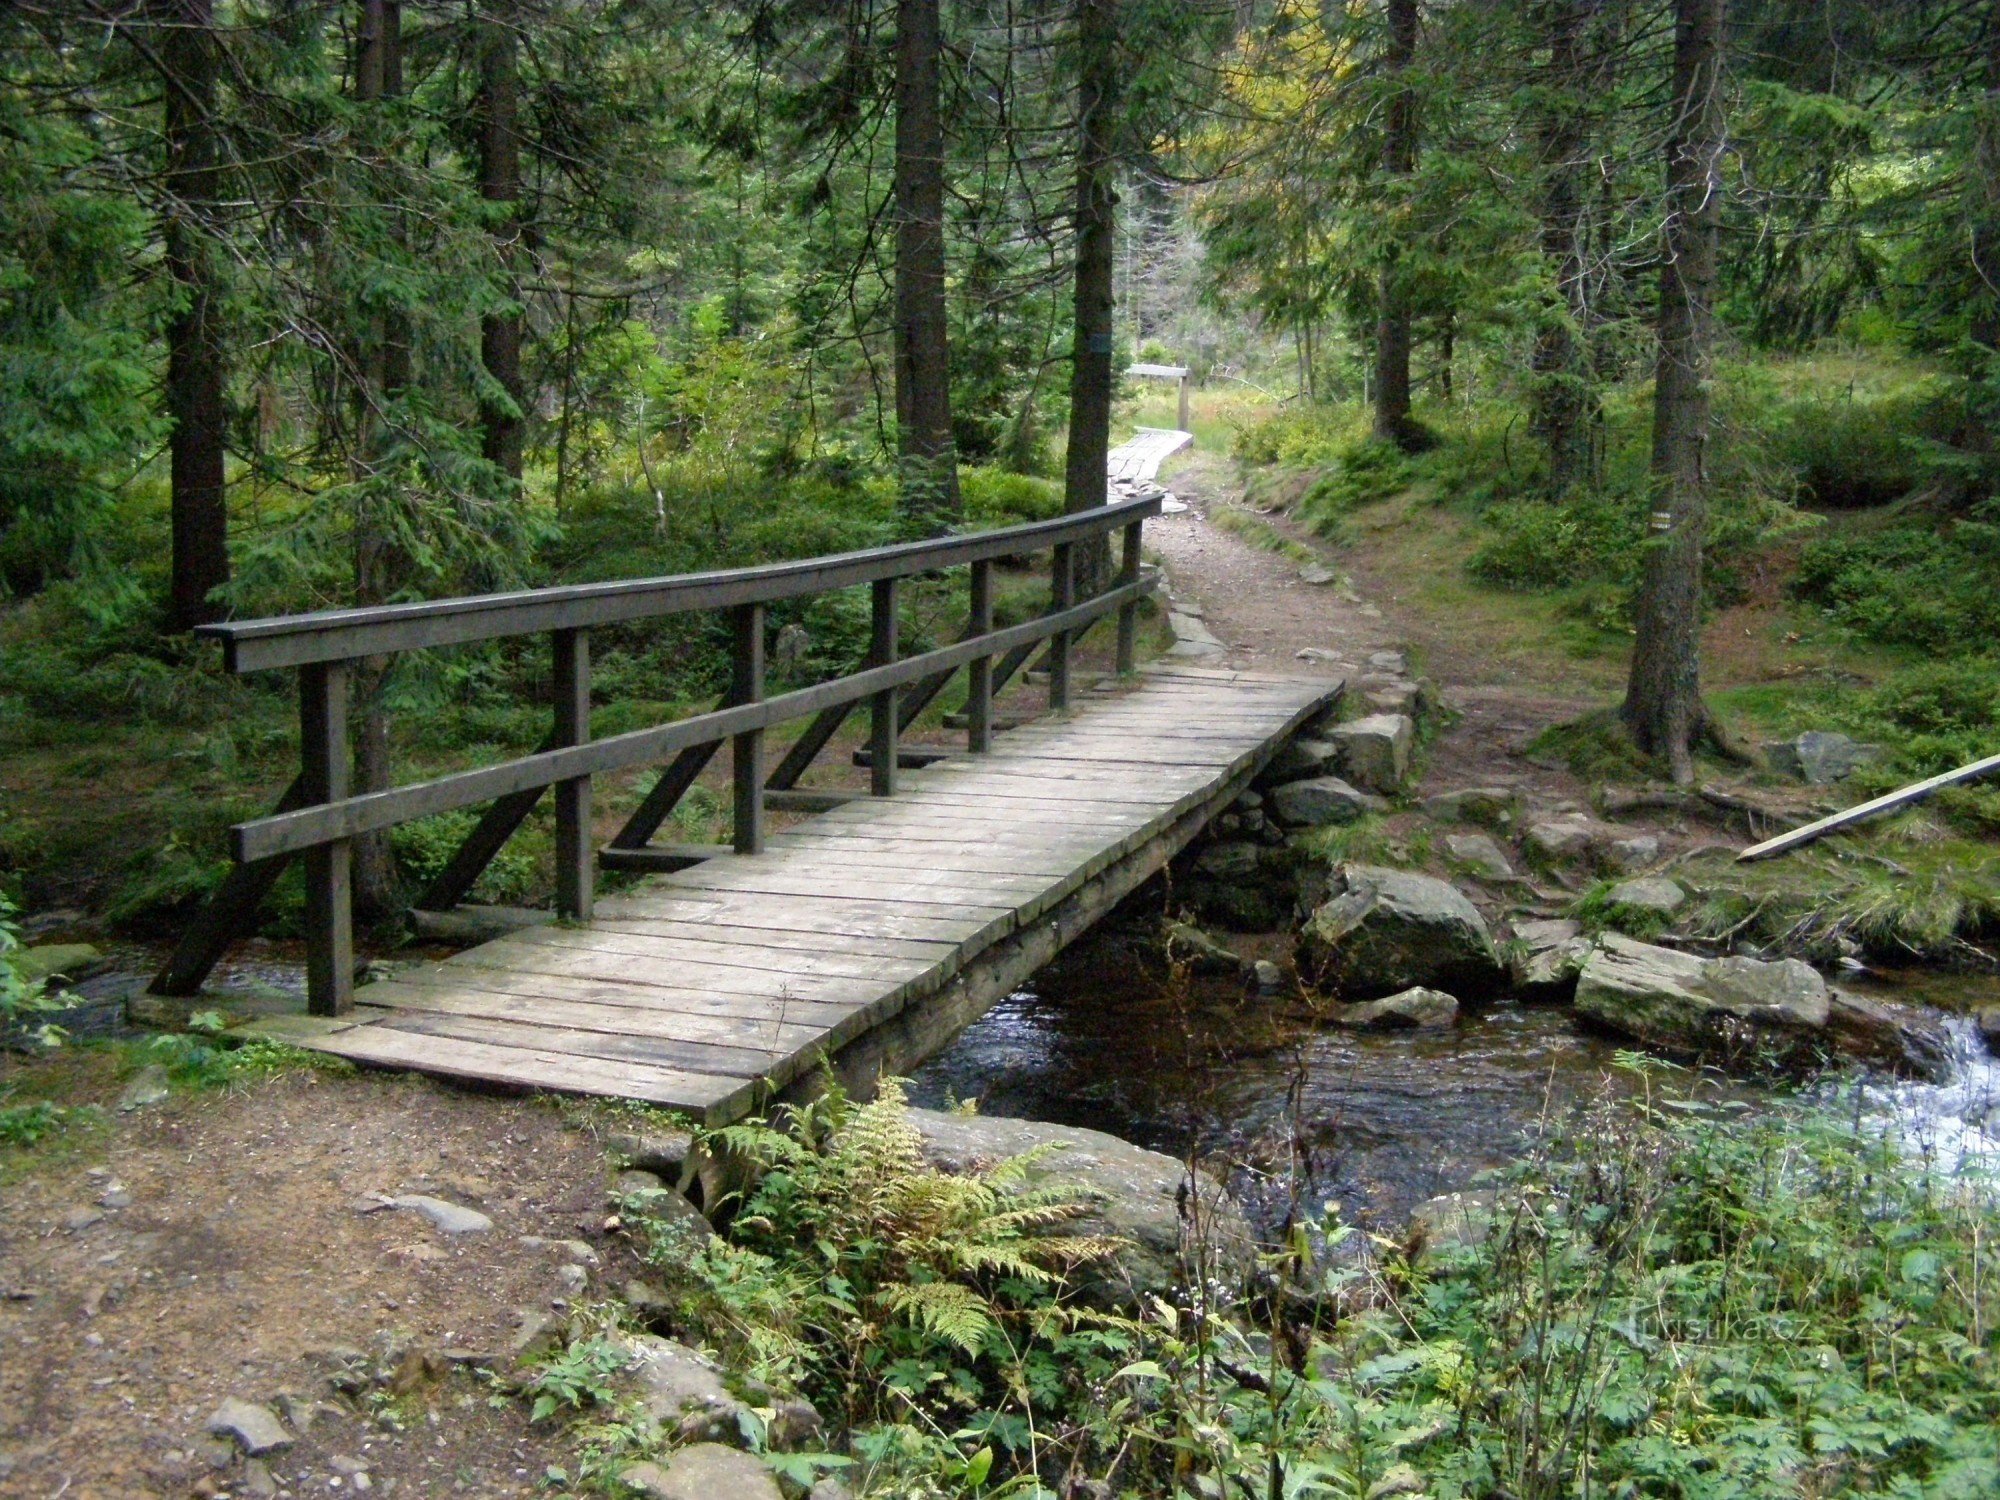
{"x":1255,"y":601}
{"x":228,"y":1245}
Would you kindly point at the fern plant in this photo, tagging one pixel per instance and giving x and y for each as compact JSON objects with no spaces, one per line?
{"x":882,"y":1282}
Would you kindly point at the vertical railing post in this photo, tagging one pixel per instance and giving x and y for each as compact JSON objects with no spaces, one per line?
{"x":882,"y":707}
{"x":572,"y":727}
{"x":326,"y":775}
{"x":1062,"y":594}
{"x":979,"y":671}
{"x":1128,"y":612}
{"x":746,"y":685}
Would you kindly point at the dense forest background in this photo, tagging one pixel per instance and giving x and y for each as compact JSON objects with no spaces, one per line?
{"x":314,"y":304}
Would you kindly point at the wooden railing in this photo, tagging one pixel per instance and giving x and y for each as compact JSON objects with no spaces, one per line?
{"x":319,"y":817}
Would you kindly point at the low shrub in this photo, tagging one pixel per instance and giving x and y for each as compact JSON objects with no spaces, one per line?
{"x":1921,"y":585}
{"x":994,"y":498}
{"x":1361,"y":474}
{"x":1537,"y":546}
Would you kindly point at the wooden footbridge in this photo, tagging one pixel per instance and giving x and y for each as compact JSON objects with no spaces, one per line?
{"x":865,"y":936}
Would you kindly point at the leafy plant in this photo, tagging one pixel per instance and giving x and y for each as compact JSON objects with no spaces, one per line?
{"x":580,"y":1375}
{"x":31,"y":1123}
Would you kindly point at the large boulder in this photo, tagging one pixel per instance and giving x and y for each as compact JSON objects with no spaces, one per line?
{"x":1561,"y":841}
{"x":1480,"y":854}
{"x":1649,"y":898}
{"x":1177,"y":1223}
{"x":1299,"y":758}
{"x":1544,"y":958}
{"x":682,"y":1392}
{"x":1488,"y":806}
{"x":703,"y":1471}
{"x":1418,"y":1008}
{"x":1322,"y":801}
{"x":1383,"y":931}
{"x":1896,"y":1038}
{"x":1730,"y":1008}
{"x":1820,"y":758}
{"x":1376,"y":750}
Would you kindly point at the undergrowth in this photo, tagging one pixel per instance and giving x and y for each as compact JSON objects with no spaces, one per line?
{"x":1668,"y":1300}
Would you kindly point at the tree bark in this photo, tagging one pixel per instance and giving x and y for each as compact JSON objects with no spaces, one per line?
{"x":929,"y":459}
{"x":1563,"y":395}
{"x":1663,"y":706}
{"x":1393,"y":422}
{"x":1090,"y":383}
{"x":379,"y":564}
{"x":500,"y":414}
{"x":195,"y":361}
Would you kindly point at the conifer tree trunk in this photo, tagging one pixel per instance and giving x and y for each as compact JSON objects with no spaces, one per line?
{"x":1663,"y":706}
{"x":923,"y":367}
{"x":195,"y":361}
{"x":1393,"y":338}
{"x":379,"y":565}
{"x":1563,"y":396}
{"x":500,"y":182}
{"x":1090,"y":382}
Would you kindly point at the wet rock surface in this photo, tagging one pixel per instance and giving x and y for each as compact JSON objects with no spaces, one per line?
{"x":1546,"y":956}
{"x":1727,"y":1008}
{"x":1142,"y":1196}
{"x":704,"y":1471}
{"x":1323,"y":801}
{"x":1417,"y":1007}
{"x":1382,"y":931}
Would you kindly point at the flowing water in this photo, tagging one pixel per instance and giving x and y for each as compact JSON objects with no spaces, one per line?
{"x":1376,"y":1121}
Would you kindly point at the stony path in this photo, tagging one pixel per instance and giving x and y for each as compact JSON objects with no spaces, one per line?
{"x":1269,"y":618}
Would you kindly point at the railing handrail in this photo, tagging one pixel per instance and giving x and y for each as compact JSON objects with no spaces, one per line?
{"x":348,"y":634}
{"x":294,"y":830}
{"x":320,"y":817}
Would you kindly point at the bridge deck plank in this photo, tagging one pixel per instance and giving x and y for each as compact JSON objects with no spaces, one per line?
{"x":707,"y":988}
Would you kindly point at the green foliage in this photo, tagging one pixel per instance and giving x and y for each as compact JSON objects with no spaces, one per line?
{"x":423,"y":848}
{"x":577,"y":1377}
{"x":1698,"y":1306}
{"x":31,"y":1123}
{"x":164,"y":886}
{"x":1924,"y":585}
{"x":1861,"y":449}
{"x":1302,"y":435}
{"x":873,"y":1279}
{"x":21,"y":999}
{"x":202,"y":1058}
{"x":1598,"y":911}
{"x":1594,"y":747}
{"x":1543,"y":545}
{"x":1259,"y":532}
{"x":75,"y":372}
{"x":1904,"y":889}
{"x":1362,"y":473}
{"x":995,"y":497}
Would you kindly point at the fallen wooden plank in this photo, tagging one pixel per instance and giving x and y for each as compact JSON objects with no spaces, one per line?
{"x":1902,"y":797}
